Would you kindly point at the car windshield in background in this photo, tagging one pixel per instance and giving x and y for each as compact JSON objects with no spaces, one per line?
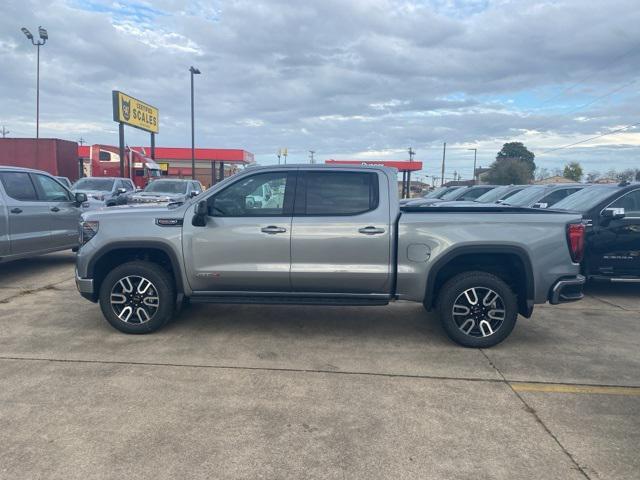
{"x":585,"y":199}
{"x":526,"y":196}
{"x":453,"y":194}
{"x":437,"y":193}
{"x":167,"y":186}
{"x":98,"y":184}
{"x":494,"y":195}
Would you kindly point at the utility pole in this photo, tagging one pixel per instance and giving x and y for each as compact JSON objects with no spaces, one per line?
{"x":411,"y":154}
{"x":444,"y":152}
{"x":311,"y":153}
{"x":5,"y":132}
{"x":279,"y":154}
{"x":475,"y":154}
{"x":81,"y":141}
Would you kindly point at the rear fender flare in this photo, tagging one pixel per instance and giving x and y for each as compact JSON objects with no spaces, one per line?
{"x":445,"y":259}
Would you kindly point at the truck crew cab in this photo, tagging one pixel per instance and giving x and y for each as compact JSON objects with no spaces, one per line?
{"x":329,"y":235}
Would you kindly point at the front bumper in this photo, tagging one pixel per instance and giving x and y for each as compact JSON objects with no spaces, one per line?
{"x":85,"y":287}
{"x":567,"y":290}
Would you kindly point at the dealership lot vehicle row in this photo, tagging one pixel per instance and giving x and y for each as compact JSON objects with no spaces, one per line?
{"x":330,"y":392}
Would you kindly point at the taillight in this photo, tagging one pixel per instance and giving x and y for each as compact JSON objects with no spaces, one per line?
{"x":575,"y":239}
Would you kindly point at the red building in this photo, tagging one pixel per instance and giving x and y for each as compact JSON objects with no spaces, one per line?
{"x":212,"y":164}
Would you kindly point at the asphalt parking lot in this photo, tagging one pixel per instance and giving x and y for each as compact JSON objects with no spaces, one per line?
{"x":248,"y":392}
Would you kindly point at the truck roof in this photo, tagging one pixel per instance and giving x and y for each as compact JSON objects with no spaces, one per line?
{"x":5,"y":168}
{"x":322,"y":166}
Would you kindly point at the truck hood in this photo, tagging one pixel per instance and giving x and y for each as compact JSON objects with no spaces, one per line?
{"x":422,"y":201}
{"x":90,"y":193}
{"x":461,"y":203}
{"x":156,"y":197}
{"x":137,"y":211}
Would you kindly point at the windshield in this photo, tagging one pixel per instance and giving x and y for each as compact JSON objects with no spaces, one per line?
{"x":438,"y":192}
{"x":167,"y":186}
{"x":99,"y":184}
{"x":493,"y":195}
{"x":453,"y":194}
{"x":499,"y":193}
{"x":585,"y":199}
{"x":526,"y":197}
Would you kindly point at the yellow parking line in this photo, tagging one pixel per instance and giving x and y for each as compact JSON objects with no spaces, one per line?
{"x":568,"y":388}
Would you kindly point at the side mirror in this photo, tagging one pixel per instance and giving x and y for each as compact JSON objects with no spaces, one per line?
{"x":80,"y":198}
{"x":200,"y":214}
{"x":120,"y":191}
{"x":193,"y":194}
{"x":613,"y":213}
{"x":540,"y":205}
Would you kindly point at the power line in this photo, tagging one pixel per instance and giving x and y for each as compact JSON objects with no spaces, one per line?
{"x":588,"y":77}
{"x":589,"y":139}
{"x":609,"y":93}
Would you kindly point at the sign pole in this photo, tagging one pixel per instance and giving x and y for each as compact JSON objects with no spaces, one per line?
{"x":121,"y":135}
{"x":153,"y":146}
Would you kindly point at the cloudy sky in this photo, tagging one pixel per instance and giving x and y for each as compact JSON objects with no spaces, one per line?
{"x":346,"y":78}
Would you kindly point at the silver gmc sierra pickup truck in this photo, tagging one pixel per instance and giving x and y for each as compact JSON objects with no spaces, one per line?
{"x":328,"y":235}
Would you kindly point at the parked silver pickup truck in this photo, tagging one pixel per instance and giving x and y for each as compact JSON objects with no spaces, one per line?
{"x":38,"y":214}
{"x":329,"y":235}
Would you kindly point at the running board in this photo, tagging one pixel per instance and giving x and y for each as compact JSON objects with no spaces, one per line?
{"x":604,"y":278}
{"x":289,"y":300}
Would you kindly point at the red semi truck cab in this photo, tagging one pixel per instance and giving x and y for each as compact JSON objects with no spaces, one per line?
{"x":104,"y":161}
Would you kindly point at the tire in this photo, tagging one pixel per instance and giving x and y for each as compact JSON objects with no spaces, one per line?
{"x":135,"y":286}
{"x":466,"y":318}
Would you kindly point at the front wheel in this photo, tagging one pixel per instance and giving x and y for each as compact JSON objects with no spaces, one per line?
{"x":477,"y":309}
{"x":137,"y":297}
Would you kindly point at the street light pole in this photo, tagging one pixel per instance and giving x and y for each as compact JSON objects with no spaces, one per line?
{"x":194,"y":71}
{"x":475,"y":154}
{"x":44,"y":36}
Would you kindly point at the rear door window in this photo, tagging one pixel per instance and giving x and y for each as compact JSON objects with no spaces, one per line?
{"x":19,"y":186}
{"x":630,"y":202}
{"x":472,"y":194}
{"x":557,"y":195}
{"x":337,"y":193}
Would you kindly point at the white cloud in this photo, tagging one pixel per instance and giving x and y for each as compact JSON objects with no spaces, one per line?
{"x":342,"y":78}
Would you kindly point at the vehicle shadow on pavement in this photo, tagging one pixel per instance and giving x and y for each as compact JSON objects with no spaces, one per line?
{"x":394,"y":322}
{"x":623,"y":295}
{"x":29,"y":271}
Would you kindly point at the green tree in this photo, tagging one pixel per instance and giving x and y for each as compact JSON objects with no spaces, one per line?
{"x":517,"y":151}
{"x":509,"y":171}
{"x":573,"y":171}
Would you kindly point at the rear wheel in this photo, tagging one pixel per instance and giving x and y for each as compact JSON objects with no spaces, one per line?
{"x":137,"y":297}
{"x":477,"y":309}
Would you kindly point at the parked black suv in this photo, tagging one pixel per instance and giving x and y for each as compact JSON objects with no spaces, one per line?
{"x":612,"y":214}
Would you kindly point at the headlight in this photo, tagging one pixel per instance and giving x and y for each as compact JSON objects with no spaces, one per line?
{"x":88,"y":230}
{"x":98,"y":197}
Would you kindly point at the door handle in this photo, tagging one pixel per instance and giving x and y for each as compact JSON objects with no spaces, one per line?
{"x":55,"y":209}
{"x":16,"y":210}
{"x":371,"y":230}
{"x":273,"y":229}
